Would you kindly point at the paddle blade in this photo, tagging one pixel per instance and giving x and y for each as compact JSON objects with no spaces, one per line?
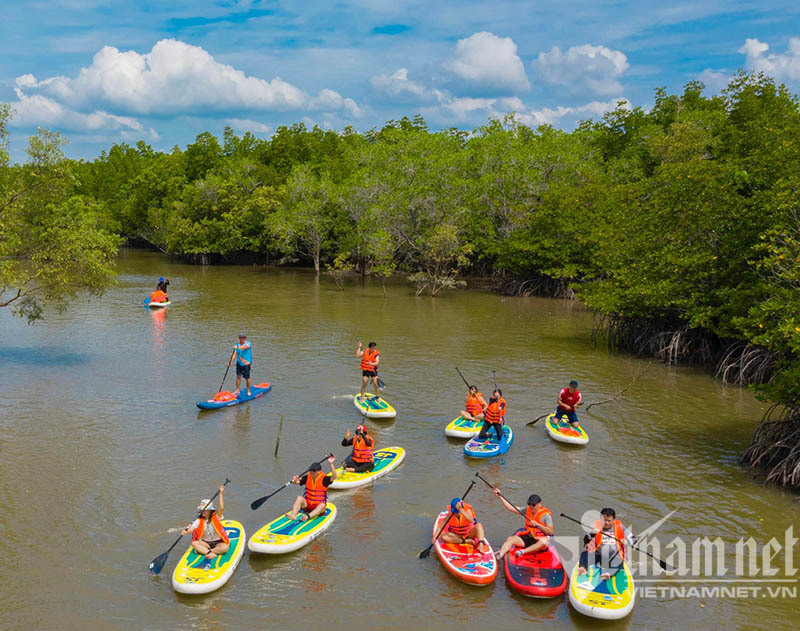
{"x":257,"y":504}
{"x":426,"y":552}
{"x":158,"y":563}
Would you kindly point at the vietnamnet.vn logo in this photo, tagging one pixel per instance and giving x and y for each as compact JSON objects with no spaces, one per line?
{"x":701,"y":567}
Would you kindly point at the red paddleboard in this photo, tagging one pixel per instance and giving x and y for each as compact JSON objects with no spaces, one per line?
{"x":540,"y":575}
{"x":464,"y":561}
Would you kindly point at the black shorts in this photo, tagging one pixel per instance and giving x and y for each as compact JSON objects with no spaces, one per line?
{"x":360,"y":467}
{"x":369,"y":373}
{"x":212,"y":544}
{"x":528,"y":539}
{"x":244,"y":371}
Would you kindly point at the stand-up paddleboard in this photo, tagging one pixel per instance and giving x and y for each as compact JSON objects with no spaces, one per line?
{"x":540,"y":575}
{"x":489,"y":447}
{"x":562,"y":431}
{"x":610,"y":599}
{"x":460,"y":427}
{"x":283,"y":535}
{"x":226,"y":399}
{"x":371,"y":408}
{"x":156,"y":305}
{"x":464,"y":561}
{"x":196,"y":575}
{"x":385,"y":460}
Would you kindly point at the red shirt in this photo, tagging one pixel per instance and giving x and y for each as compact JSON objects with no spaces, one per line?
{"x":569,"y":398}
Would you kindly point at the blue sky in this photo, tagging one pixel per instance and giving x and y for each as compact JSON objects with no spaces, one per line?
{"x":105,"y":71}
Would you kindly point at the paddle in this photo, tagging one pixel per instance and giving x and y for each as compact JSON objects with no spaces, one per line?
{"x":427,"y":551}
{"x":536,"y":420}
{"x":158,"y":563}
{"x":663,"y":565}
{"x":462,"y":377}
{"x":257,"y":503}
{"x":233,"y":354}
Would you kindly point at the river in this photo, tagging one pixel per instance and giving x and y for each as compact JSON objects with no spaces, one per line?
{"x":104,"y":454}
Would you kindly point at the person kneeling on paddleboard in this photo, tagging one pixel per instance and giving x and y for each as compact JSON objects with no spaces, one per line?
{"x":208,"y":534}
{"x":475,"y":404}
{"x":464,"y":526}
{"x":568,"y":401}
{"x":313,"y":500}
{"x":538,"y":527}
{"x":493,"y":416}
{"x":244,"y":359}
{"x":606,"y":544}
{"x":362,"y":458}
{"x":370,"y":358}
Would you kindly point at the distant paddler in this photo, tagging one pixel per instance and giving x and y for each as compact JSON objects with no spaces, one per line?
{"x":538,"y":527}
{"x":208,"y":534}
{"x":370,"y":359}
{"x":159,"y":296}
{"x":494,"y":416}
{"x":606,"y":544}
{"x":569,"y":399}
{"x":244,"y":359}
{"x":362,"y":458}
{"x":313,"y":500}
{"x":475,"y":405}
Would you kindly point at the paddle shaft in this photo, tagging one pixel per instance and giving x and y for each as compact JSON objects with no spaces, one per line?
{"x":466,"y":383}
{"x":225,"y":376}
{"x":493,"y":487}
{"x":494,"y":379}
{"x":621,"y":543}
{"x":424,"y":554}
{"x":256,"y":504}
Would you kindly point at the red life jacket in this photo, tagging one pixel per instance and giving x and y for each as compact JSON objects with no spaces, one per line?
{"x":460,"y":525}
{"x":316,"y":492}
{"x":197,"y":533}
{"x":619,"y":533}
{"x":369,"y":356}
{"x":362,"y":452}
{"x":474,"y":406}
{"x":538,"y":515}
{"x":494,"y":411}
{"x":569,"y":398}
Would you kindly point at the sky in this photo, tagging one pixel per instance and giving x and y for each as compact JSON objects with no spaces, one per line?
{"x":109,"y":71}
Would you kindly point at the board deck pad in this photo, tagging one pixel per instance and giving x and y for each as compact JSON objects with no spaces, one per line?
{"x":383,"y":459}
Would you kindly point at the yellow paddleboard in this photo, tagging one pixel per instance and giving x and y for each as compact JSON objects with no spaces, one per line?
{"x":286,"y":535}
{"x":195,"y":575}
{"x":610,"y":599}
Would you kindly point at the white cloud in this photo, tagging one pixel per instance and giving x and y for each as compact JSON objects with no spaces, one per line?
{"x":486,"y":58}
{"x":714,"y":81}
{"x":594,"y":109}
{"x":398,"y":84}
{"x":245,"y":124}
{"x":26,"y":81}
{"x":783,"y":67}
{"x":177,"y":77}
{"x":594,"y":69}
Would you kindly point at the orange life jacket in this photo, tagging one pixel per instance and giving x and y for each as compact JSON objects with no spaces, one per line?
{"x":494,"y":411}
{"x":362,"y":452}
{"x":158,"y":296}
{"x":218,"y":527}
{"x":619,"y":533}
{"x":316,"y":492}
{"x":537,"y":515}
{"x":369,"y":356}
{"x":460,"y":525}
{"x":474,"y":406}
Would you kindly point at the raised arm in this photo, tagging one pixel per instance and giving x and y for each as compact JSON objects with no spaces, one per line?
{"x":332,"y":465}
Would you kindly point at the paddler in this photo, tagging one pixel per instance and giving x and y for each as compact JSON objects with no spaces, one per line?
{"x":313,"y":500}
{"x":362,"y":459}
{"x":162,"y":284}
{"x":244,"y":360}
{"x":608,"y":540}
{"x":568,"y":401}
{"x":208,"y":534}
{"x":475,"y":404}
{"x":464,"y":526}
{"x":494,"y":416}
{"x":370,"y":358}
{"x":538,"y":527}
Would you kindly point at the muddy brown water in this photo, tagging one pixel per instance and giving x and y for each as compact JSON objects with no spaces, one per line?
{"x":104,"y":454}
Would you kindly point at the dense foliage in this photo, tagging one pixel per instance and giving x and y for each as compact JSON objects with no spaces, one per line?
{"x":685,"y":215}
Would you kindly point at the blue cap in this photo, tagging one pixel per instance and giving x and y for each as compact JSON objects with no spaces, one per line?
{"x":453,"y":503}
{"x":160,"y":278}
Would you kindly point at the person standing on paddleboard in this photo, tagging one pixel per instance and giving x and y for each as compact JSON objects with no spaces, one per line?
{"x":494,"y":416}
{"x":538,"y":527}
{"x":606,"y":544}
{"x":209,"y":538}
{"x":244,"y":359}
{"x":362,"y":459}
{"x":313,"y":500}
{"x":370,"y":358}
{"x":568,"y":401}
{"x":475,"y":405}
{"x":464,"y":526}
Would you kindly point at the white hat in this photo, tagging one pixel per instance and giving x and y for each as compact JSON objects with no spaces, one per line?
{"x":203,"y":506}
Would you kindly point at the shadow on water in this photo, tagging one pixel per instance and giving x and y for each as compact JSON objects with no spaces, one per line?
{"x":41,"y":355}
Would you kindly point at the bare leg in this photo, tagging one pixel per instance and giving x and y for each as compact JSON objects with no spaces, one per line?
{"x":539,"y":545}
{"x":318,"y":510}
{"x":299,"y":503}
{"x":248,"y":386}
{"x":509,"y":543}
{"x":201,"y":547}
{"x":449,"y":537}
{"x":377,"y":389}
{"x":364,"y":382}
{"x":220,"y":548}
{"x":238,"y":383}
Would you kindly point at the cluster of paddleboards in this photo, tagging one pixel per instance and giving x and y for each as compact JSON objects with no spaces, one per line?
{"x":558,"y":429}
{"x":195,"y":575}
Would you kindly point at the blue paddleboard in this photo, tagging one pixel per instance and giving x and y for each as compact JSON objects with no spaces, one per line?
{"x":255,"y":392}
{"x":489,"y":447}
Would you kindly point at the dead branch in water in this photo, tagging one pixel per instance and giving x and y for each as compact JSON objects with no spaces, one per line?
{"x":618,"y":395}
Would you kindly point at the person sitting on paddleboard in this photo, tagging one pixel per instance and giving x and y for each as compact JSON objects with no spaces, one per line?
{"x":464,"y":526}
{"x":370,"y":358}
{"x":494,"y":416}
{"x":606,"y":543}
{"x":475,"y":404}
{"x":538,"y":527}
{"x":313,"y":500}
{"x":209,"y":538}
{"x":244,"y":360}
{"x":162,"y":284}
{"x":362,"y":458}
{"x":568,"y":401}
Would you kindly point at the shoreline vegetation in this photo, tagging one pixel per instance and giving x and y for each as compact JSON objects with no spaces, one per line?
{"x":679,"y":226}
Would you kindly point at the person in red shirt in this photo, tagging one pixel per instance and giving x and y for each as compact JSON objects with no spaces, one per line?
{"x":568,"y":402}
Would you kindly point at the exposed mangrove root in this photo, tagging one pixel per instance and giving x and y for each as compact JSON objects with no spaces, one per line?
{"x":544,"y":286}
{"x":774,"y":450}
{"x":743,"y":364}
